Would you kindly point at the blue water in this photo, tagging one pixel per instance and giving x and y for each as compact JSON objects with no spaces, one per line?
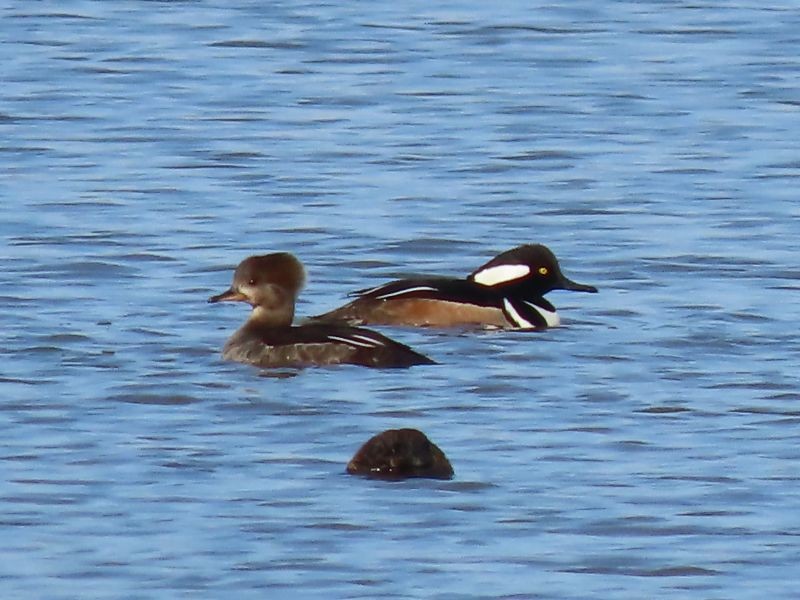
{"x":646,"y":449}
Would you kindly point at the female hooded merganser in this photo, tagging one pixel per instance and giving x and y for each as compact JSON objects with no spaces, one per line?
{"x":270,"y":284}
{"x":400,"y":453}
{"x":507,"y":292}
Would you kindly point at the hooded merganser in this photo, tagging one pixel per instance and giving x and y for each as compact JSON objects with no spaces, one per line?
{"x":270,"y":284}
{"x":400,"y":453}
{"x":506,"y":292}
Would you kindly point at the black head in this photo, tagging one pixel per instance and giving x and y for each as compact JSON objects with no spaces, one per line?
{"x":528,"y":266}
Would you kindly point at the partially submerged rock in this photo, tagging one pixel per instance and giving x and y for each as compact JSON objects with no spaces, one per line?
{"x":400,"y":453}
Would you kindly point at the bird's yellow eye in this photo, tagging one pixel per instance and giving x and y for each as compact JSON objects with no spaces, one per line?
{"x":543,"y":271}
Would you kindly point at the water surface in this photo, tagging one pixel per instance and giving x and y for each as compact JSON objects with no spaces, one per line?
{"x":645,"y":449}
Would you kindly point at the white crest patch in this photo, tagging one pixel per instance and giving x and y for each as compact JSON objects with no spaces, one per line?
{"x":501,"y":274}
{"x":550,"y":317}
{"x":411,"y":290}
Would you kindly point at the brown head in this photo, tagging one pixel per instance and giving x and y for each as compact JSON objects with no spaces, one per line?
{"x":270,"y":284}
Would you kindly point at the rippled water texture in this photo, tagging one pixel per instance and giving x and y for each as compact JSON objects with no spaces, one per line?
{"x":646,"y":449}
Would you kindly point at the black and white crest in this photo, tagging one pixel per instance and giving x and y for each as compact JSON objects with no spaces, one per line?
{"x":500,"y":274}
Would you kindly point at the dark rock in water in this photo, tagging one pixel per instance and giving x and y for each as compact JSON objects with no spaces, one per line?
{"x":400,"y":453}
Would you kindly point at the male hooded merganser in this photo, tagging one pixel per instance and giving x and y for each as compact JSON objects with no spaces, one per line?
{"x":400,"y":453}
{"x":507,"y":292}
{"x":270,"y":284}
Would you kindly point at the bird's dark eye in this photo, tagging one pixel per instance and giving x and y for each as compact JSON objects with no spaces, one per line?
{"x":252,"y":281}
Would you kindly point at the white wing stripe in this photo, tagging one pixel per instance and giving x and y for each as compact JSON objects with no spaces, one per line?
{"x":350,"y":341}
{"x":366,"y":292}
{"x":419,"y":288}
{"x":368,"y":339}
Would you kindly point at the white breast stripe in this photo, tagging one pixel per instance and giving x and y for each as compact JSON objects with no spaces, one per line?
{"x":501,"y":274}
{"x":350,"y":341}
{"x":515,"y":316}
{"x":419,"y":288}
{"x":550,"y":317}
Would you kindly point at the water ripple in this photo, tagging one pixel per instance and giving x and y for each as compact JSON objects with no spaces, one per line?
{"x":645,"y":449}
